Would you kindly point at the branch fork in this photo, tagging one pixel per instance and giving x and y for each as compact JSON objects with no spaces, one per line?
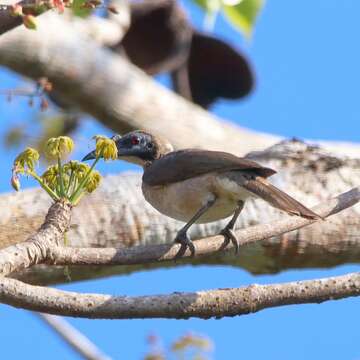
{"x":43,"y":247}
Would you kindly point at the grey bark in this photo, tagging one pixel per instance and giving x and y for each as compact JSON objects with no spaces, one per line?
{"x":117,"y":216}
{"x":36,"y":247}
{"x":206,"y":246}
{"x":201,"y":304}
{"x":44,"y":246}
{"x":129,"y":99}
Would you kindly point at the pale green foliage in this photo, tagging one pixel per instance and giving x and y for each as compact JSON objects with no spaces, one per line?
{"x":241,"y":13}
{"x":68,"y":181}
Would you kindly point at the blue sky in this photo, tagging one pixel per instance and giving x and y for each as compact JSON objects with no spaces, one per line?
{"x":307,"y":65}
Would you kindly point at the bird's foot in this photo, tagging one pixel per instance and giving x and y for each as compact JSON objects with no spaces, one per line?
{"x":229,"y":235}
{"x":183,"y":239}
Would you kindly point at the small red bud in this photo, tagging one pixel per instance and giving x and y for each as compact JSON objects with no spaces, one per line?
{"x":15,"y":182}
{"x":59,"y":5}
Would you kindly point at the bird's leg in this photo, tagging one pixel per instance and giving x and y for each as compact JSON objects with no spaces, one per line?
{"x":182,"y":236}
{"x":228,"y":231}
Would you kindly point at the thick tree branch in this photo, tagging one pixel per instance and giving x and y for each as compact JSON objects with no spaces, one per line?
{"x":201,"y":304}
{"x":130,"y":99}
{"x":44,"y":246}
{"x":147,"y":254}
{"x":36,"y":248}
{"x":116,"y":216}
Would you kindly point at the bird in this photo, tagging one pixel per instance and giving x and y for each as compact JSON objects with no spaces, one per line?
{"x":200,"y":186}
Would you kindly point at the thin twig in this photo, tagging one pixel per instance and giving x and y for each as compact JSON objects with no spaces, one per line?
{"x":73,"y":337}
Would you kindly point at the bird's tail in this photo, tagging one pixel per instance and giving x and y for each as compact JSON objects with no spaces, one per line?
{"x":278,"y":199}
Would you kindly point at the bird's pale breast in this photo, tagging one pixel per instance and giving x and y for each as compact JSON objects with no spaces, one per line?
{"x":181,"y":200}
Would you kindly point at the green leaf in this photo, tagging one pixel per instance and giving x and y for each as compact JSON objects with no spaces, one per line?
{"x":202,"y":4}
{"x":78,"y":10}
{"x":243,"y":15}
{"x":209,"y":5}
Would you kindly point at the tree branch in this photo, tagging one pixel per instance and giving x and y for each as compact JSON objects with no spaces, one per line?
{"x":36,"y":248}
{"x":116,"y":216}
{"x":130,"y":99}
{"x":7,"y":20}
{"x":206,"y":246}
{"x":73,"y":337}
{"x":202,"y":304}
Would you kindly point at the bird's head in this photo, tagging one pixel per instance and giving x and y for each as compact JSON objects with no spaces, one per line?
{"x":138,"y":147}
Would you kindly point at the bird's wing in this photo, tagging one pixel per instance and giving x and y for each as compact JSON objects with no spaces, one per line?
{"x":185,"y":164}
{"x":277,"y":198}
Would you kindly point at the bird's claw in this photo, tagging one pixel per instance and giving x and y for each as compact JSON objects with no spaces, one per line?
{"x":183,"y":239}
{"x":229,"y":235}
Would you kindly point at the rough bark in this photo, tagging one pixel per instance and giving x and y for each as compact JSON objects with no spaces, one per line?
{"x":117,"y":216}
{"x":44,"y":246}
{"x":201,"y":304}
{"x":36,"y":247}
{"x":206,"y":246}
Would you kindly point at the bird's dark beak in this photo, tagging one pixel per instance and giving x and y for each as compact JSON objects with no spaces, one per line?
{"x":89,"y":156}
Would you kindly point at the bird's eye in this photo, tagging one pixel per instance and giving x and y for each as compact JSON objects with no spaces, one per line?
{"x":135,"y":140}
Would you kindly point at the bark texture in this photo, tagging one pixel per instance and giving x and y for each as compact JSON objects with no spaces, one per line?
{"x":36,"y":247}
{"x":201,"y":304}
{"x":44,"y":247}
{"x":117,"y":216}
